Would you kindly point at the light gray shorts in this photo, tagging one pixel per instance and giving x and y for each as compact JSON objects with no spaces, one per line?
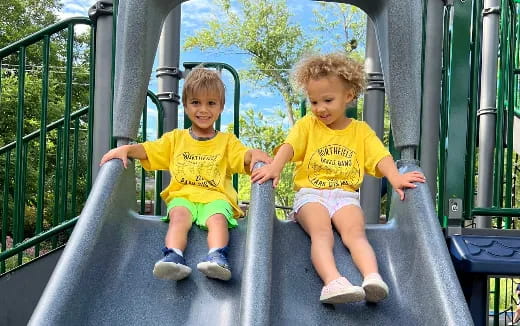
{"x":333,"y":199}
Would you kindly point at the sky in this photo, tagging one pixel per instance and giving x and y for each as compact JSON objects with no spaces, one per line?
{"x":195,"y":15}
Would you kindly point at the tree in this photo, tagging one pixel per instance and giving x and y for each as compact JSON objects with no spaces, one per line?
{"x":20,"y":19}
{"x":263,"y":30}
{"x":348,"y":21}
{"x":259,"y":131}
{"x":23,"y":17}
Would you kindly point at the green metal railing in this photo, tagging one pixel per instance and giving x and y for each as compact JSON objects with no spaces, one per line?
{"x":158,"y":174}
{"x":58,"y":140}
{"x":458,"y":43}
{"x":506,"y":94}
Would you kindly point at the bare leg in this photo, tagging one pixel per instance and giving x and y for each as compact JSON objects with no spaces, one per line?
{"x":315,"y":220}
{"x":218,"y":234}
{"x":180,"y":224}
{"x":216,"y":265}
{"x":350,"y":223}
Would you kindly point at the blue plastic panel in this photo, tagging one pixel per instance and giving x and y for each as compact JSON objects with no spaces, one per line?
{"x":493,"y":255}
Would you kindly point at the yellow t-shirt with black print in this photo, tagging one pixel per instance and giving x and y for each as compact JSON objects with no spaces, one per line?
{"x":200,"y":170}
{"x":332,"y":159}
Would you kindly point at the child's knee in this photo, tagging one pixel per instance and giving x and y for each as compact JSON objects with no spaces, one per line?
{"x":217,"y":221}
{"x":354,"y":235}
{"x":180,"y":215}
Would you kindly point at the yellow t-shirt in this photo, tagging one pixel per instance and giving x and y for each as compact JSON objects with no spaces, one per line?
{"x":200,"y":170}
{"x":330,"y":159}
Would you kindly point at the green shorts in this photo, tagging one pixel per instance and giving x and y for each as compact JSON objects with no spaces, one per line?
{"x":200,"y":212}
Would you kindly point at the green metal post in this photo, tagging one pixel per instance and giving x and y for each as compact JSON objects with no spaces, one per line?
{"x":75,"y":169}
{"x":474,"y":105}
{"x":19,"y":206}
{"x":66,"y":124}
{"x":455,"y":175}
{"x":57,"y":181}
{"x":5,"y":207}
{"x":441,"y":168}
{"x":143,"y":173}
{"x":43,"y":139}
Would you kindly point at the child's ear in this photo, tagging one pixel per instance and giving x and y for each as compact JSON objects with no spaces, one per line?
{"x":350,"y":95}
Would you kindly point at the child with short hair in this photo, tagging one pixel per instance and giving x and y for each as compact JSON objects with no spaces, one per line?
{"x":332,"y":153}
{"x":201,"y":161}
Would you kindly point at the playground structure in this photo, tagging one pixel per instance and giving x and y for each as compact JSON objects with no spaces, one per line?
{"x":94,"y":284}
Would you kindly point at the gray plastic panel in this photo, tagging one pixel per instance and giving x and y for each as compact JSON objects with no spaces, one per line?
{"x":104,"y":275}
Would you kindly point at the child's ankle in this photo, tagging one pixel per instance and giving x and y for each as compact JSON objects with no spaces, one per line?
{"x":373,"y":275}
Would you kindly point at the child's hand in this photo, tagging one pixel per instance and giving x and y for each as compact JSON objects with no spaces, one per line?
{"x":266,"y":172}
{"x":259,"y":156}
{"x":402,"y":181}
{"x":119,"y":152}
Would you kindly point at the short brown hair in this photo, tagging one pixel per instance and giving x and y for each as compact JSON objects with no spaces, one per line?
{"x":200,"y":79}
{"x":335,"y":64}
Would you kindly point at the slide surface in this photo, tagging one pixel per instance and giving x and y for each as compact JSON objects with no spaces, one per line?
{"x":104,"y":276}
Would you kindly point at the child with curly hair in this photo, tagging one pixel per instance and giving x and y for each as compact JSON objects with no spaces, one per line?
{"x":332,"y":153}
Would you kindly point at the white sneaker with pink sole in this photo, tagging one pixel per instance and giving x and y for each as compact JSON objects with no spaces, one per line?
{"x":341,"y":291}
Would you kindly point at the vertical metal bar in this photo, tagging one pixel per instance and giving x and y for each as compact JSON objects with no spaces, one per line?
{"x":143,"y":173}
{"x":168,"y":75}
{"x":91,"y":163}
{"x":441,"y":171}
{"x":499,"y":134}
{"x":66,"y":124}
{"x":457,"y":111}
{"x":373,"y":114}
{"x":103,"y":38}
{"x":43,"y":139}
{"x":429,"y":147}
{"x":5,"y":206}
{"x":496,"y":302}
{"x":510,"y":114}
{"x":487,"y":111}
{"x":57,"y":182}
{"x":159,"y":174}
{"x":18,"y":204}
{"x":21,"y":204}
{"x":236,"y":114}
{"x":469,"y":198}
{"x":75,"y":154}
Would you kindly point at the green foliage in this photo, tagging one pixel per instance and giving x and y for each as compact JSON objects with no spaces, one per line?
{"x":21,"y":18}
{"x":350,"y":20}
{"x":265,"y":133}
{"x":263,"y":30}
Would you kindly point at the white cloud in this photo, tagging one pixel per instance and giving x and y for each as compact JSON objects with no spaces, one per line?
{"x":75,"y":8}
{"x":196,"y":13}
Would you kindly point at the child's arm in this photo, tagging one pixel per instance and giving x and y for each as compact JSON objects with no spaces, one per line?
{"x":124,"y":152}
{"x":255,"y":155}
{"x":273,"y":170}
{"x":398,"y":181}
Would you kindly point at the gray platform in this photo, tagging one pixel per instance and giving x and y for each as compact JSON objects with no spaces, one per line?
{"x":104,"y":276}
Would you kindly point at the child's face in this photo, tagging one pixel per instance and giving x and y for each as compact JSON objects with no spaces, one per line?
{"x":329,"y":97}
{"x":203,"y":109}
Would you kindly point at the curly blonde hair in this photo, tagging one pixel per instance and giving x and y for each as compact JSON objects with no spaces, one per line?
{"x":331,"y":64}
{"x":200,"y":80}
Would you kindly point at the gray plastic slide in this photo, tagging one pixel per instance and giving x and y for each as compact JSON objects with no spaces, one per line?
{"x":104,"y":276}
